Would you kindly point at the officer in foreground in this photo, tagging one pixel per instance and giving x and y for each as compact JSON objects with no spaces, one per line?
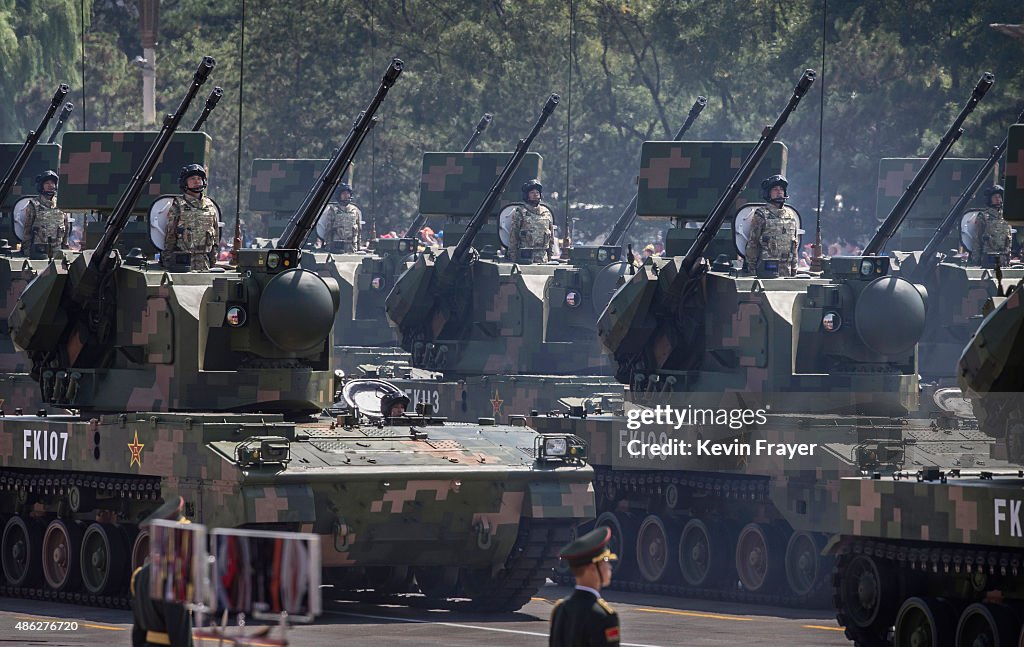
{"x":45,"y":224}
{"x":994,"y":233}
{"x":773,"y":230}
{"x":532,"y":230}
{"x":155,"y":622}
{"x":344,"y":221}
{"x":192,"y":226}
{"x":584,"y":618}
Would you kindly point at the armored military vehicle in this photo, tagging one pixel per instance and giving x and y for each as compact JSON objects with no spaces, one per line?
{"x":202,"y":384}
{"x":803,"y":358}
{"x":935,"y":558}
{"x":24,"y":163}
{"x":957,"y":289}
{"x":364,"y":276}
{"x":488,"y":335}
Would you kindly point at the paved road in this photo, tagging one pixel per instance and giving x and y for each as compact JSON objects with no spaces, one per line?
{"x":647,"y":620}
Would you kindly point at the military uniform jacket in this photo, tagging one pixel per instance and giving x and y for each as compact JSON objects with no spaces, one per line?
{"x":344,"y":223}
{"x":773,"y":236}
{"x":994,"y":236}
{"x":155,"y":622}
{"x":532,"y":228}
{"x":44,"y":222}
{"x":192,"y":228}
{"x":583,"y":620}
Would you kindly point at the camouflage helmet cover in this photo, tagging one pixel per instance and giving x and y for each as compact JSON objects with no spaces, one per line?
{"x":188,"y":171}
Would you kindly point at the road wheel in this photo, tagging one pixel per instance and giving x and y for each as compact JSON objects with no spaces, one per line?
{"x":62,"y":543}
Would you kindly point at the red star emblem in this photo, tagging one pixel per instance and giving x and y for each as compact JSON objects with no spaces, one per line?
{"x":496,"y":404}
{"x":136,"y":449}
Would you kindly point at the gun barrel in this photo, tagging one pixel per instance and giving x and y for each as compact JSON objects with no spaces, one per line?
{"x":628,"y":215}
{"x":30,"y":143}
{"x":102,"y":260}
{"x":485,"y":121}
{"x":709,"y":229}
{"x":929,"y":257}
{"x":61,"y":119}
{"x":211,"y":103}
{"x":306,"y":216}
{"x":900,"y":210}
{"x":478,"y":219}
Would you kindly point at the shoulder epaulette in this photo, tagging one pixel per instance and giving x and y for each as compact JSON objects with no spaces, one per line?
{"x":604,"y":605}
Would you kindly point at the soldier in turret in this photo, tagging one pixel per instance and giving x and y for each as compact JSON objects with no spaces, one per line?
{"x":584,"y":618}
{"x":531,"y":233}
{"x":45,"y":224}
{"x":994,"y":234}
{"x":192,"y":227}
{"x":343,"y":221}
{"x":773,"y":230}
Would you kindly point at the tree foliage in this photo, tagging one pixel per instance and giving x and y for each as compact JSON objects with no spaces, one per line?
{"x":895,"y":75}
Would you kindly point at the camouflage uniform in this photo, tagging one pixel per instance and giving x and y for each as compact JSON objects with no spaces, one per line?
{"x":532,"y":228}
{"x":192,"y":228}
{"x":773,"y":235}
{"x":344,"y":223}
{"x":994,"y":236}
{"x":45,"y":222}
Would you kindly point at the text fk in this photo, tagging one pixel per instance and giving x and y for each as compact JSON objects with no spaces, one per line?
{"x":45,"y":445}
{"x":1008,"y":510}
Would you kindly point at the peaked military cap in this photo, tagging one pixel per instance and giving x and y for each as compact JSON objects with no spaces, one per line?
{"x":173,"y":510}
{"x":590,"y":548}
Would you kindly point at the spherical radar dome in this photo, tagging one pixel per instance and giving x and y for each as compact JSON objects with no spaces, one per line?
{"x":296,"y":310}
{"x":890,"y":315}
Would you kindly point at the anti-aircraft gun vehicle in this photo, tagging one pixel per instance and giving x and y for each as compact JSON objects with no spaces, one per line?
{"x":203,"y":384}
{"x":86,"y":161}
{"x":519,"y":333}
{"x":487,"y":334}
{"x":803,"y":354}
{"x":934,"y":557}
{"x":25,"y":164}
{"x":364,"y":276}
{"x":957,"y":288}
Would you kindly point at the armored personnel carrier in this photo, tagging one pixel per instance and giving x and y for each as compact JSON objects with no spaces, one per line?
{"x":202,"y":384}
{"x":935,"y":558}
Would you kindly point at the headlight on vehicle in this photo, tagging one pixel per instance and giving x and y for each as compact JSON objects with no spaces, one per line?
{"x":556,"y":447}
{"x":561,"y":448}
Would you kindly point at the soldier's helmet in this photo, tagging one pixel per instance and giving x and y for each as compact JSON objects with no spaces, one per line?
{"x":345,"y":186}
{"x":529,"y":186}
{"x":591,"y":548}
{"x":391,"y":399}
{"x":991,"y":191}
{"x":44,"y":176}
{"x":187,"y":172}
{"x":773,"y":181}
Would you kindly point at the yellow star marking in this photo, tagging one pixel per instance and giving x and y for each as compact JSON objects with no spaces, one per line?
{"x":496,"y":403}
{"x":136,"y":449}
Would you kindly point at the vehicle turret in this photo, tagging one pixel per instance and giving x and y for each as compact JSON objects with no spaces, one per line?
{"x":107,"y":334}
